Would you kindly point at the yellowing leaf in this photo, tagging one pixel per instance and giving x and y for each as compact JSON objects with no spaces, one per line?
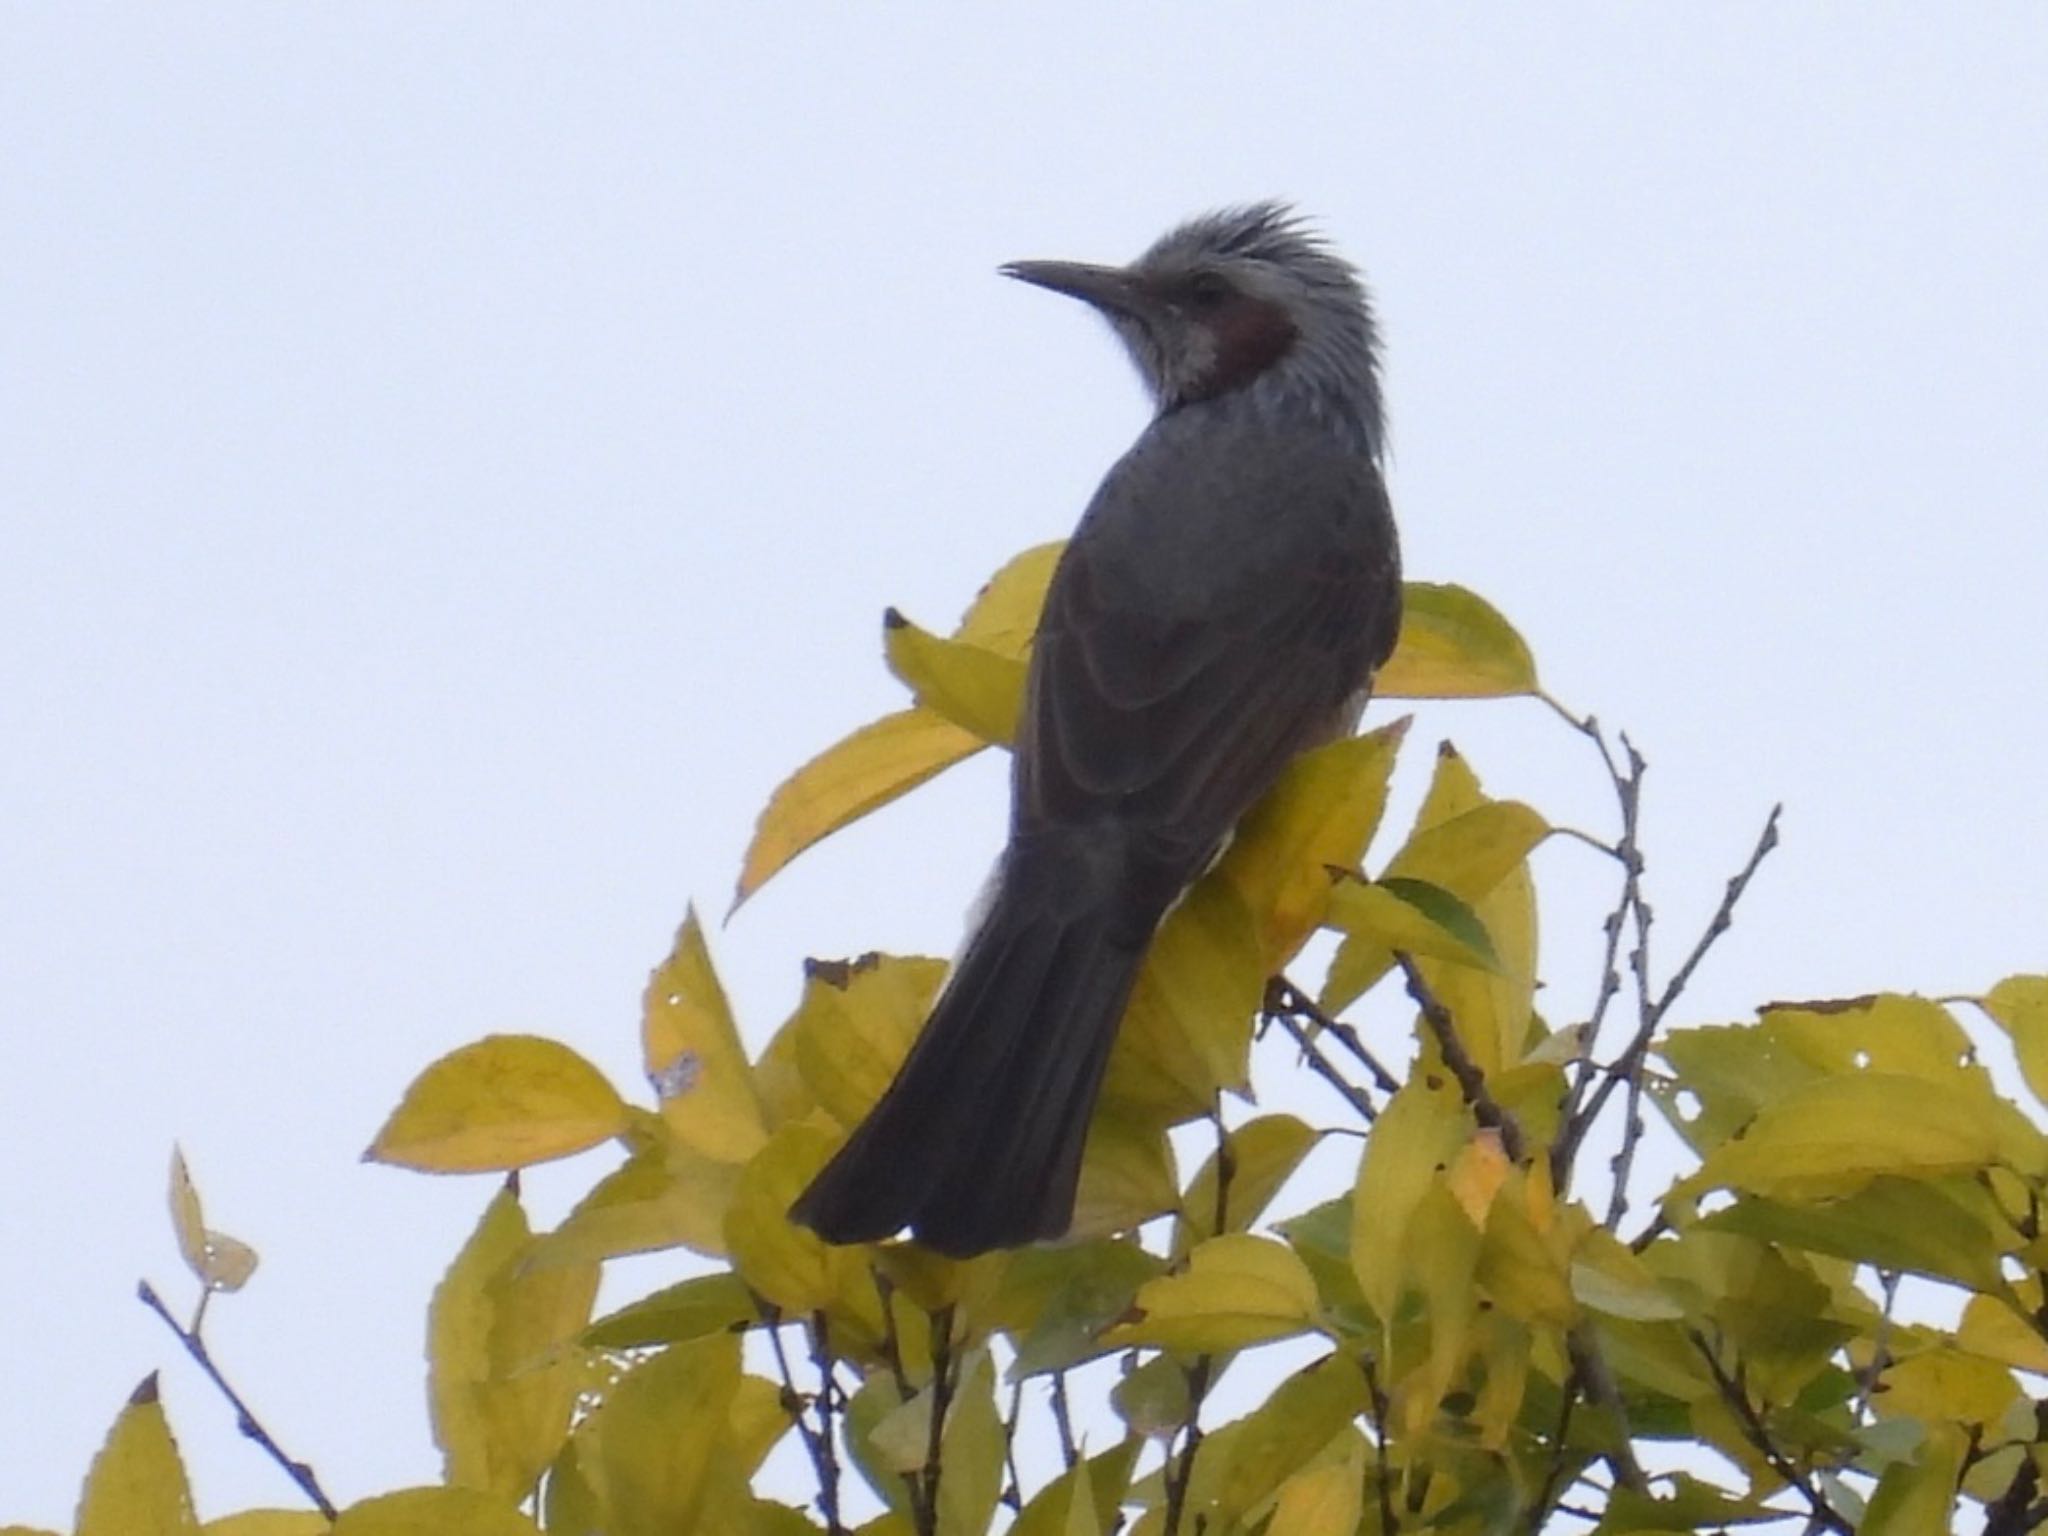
{"x":1386,"y":916}
{"x":1126,"y":1176}
{"x":1994,"y":1329}
{"x":1410,"y":1148}
{"x":1838,"y":1133}
{"x":790,"y":1265}
{"x":1318,"y":817}
{"x":971,"y":1448}
{"x":1454,"y":645}
{"x":1942,"y":1228}
{"x":221,"y":1262}
{"x":663,"y":1196}
{"x":137,"y":1484}
{"x":855,"y":1025}
{"x":690,"y":1309}
{"x":1004,"y":615}
{"x":693,"y":1055}
{"x":1917,"y":1497}
{"x":505,"y":1102}
{"x":503,"y":1368}
{"x":433,"y":1512}
{"x":974,"y":688}
{"x":1263,"y":1153}
{"x":258,"y":1522}
{"x":1947,"y":1385}
{"x":859,"y":774}
{"x":1237,"y":1290}
{"x":1283,"y":1435}
{"x":2019,"y":1004}
{"x":1320,"y":1500}
{"x":1186,"y":1035}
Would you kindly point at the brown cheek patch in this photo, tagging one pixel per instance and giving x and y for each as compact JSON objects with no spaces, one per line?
{"x":1251,"y":335}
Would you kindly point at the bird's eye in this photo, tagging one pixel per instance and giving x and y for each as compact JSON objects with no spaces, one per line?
{"x":1208,"y":290}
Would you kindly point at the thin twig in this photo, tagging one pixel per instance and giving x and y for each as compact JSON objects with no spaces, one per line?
{"x":942,"y":1400}
{"x":1471,"y":1081}
{"x":817,"y":1442}
{"x":1179,"y":1474}
{"x":1376,"y":1402}
{"x":1013,"y":1494}
{"x":1539,"y":1507}
{"x":1063,"y":1420}
{"x":1593,"y":1372}
{"x":1284,"y":997}
{"x":1759,"y":1435}
{"x":245,"y":1420}
{"x":1325,"y":1068}
{"x":828,"y":1407}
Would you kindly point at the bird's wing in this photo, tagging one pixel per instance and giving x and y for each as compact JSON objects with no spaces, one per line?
{"x":1207,"y":623}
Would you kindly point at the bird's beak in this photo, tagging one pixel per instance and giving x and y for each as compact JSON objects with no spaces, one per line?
{"x":1112,"y":290}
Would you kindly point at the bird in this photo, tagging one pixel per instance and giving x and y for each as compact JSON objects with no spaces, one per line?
{"x":1221,"y":608}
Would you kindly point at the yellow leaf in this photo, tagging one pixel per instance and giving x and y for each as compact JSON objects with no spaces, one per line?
{"x":1378,"y":916}
{"x":1454,"y":645}
{"x":137,"y":1484}
{"x":1992,"y":1328}
{"x":1477,"y":1173}
{"x":1004,"y":615}
{"x":1186,"y":1035}
{"x":1283,"y":1435}
{"x":433,"y":1512}
{"x":855,"y":1025}
{"x":1442,"y":1263}
{"x":663,"y":1196}
{"x":505,"y":1102}
{"x":790,"y":1265}
{"x":1411,"y":1146}
{"x":1918,"y":1497}
{"x":264,"y":1522}
{"x":1263,"y":1153}
{"x":1321,"y":1500}
{"x":1470,"y":846}
{"x":1318,"y":817}
{"x":1237,"y":1290}
{"x":1946,"y":1385}
{"x":693,"y":1054}
{"x":1126,"y":1177}
{"x":1836,"y":1134}
{"x":971,"y":1448}
{"x":659,"y":1452}
{"x":976,"y":689}
{"x":503,"y":1368}
{"x":221,"y":1262}
{"x":2019,"y":1004}
{"x":861,"y":773}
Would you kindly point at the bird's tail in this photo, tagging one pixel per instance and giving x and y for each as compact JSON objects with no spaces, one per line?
{"x":977,"y":1144}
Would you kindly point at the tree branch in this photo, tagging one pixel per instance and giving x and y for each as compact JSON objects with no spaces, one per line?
{"x":1471,"y":1081}
{"x":245,"y":1420}
{"x":1758,"y":1433}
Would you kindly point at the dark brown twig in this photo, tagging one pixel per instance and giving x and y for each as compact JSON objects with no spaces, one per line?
{"x":1553,"y":1474}
{"x":245,"y":1419}
{"x":1471,"y":1081}
{"x":817,"y":1440}
{"x":1284,"y":997}
{"x":1180,"y":1472}
{"x":1063,"y":1420}
{"x":942,"y":1401}
{"x":1758,"y":1433}
{"x":1376,"y":1402}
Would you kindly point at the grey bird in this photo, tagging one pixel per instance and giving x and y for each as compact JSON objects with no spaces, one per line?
{"x":1221,"y":608}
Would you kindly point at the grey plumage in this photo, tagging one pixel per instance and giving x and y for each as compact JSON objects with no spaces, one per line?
{"x":1225,"y":600}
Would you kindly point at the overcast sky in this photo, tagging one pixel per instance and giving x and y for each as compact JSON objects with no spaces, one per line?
{"x":453,"y":460}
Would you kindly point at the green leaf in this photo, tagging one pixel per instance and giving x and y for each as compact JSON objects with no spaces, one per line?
{"x":1280,"y":1437}
{"x":716,"y":1303}
{"x":1454,"y":645}
{"x":971,"y":1448}
{"x":1937,"y":1228}
{"x":1055,"y":1301}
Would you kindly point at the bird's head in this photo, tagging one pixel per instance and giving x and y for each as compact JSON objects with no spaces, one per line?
{"x":1246,"y":301}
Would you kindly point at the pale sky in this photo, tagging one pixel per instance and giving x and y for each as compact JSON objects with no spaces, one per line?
{"x":453,"y":460}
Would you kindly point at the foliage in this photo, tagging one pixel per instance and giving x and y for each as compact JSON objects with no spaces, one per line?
{"x":1490,"y":1347}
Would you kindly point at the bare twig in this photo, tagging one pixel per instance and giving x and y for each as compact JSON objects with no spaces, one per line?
{"x":1376,"y":1403}
{"x":245,"y":1420}
{"x":942,"y":1401}
{"x":1063,"y":1420}
{"x":1324,"y":1068}
{"x":1758,"y":1433}
{"x":1471,"y":1081}
{"x":1284,"y":997}
{"x":1180,"y":1472}
{"x":1568,"y":1401}
{"x":817,"y":1440}
{"x":1590,"y":1368}
{"x":1013,"y":1493}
